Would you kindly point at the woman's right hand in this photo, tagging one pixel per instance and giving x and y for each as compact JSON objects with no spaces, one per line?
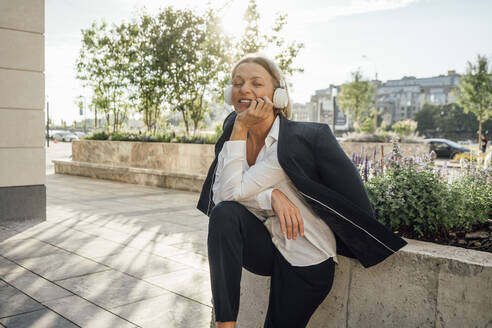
{"x":259,"y":110}
{"x":288,"y":214}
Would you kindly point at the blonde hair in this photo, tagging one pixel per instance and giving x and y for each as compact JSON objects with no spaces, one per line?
{"x":274,"y":71}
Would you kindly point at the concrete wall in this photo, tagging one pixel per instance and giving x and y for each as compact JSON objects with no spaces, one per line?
{"x":168,"y":165}
{"x":22,"y":154}
{"x":422,"y":285}
{"x":188,"y":158}
{"x":170,"y":157}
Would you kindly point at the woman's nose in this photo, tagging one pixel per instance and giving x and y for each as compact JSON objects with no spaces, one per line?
{"x":245,"y":88}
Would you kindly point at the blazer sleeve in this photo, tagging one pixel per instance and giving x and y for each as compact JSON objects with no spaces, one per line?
{"x":337,"y":171}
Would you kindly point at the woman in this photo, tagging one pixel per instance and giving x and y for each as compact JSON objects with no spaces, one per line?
{"x":283,"y":200}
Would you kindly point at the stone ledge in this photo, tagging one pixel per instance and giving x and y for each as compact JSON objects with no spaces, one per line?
{"x":422,"y":285}
{"x":144,"y":176}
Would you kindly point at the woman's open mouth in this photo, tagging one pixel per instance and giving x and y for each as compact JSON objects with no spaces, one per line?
{"x":245,"y":101}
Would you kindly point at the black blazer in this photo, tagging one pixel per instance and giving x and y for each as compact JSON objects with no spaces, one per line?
{"x":330,"y":183}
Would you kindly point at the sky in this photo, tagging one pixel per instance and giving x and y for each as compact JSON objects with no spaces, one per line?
{"x":393,"y":38}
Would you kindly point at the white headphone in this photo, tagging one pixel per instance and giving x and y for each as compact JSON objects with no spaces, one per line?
{"x":280,"y":96}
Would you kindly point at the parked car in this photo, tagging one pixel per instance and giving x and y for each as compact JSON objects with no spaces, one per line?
{"x":80,"y":134}
{"x":445,"y":148}
{"x":65,"y":136}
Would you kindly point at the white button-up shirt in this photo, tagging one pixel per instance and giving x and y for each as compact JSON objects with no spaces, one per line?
{"x":252,"y":186}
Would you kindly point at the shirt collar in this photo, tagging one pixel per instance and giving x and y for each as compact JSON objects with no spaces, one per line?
{"x":273,"y":134}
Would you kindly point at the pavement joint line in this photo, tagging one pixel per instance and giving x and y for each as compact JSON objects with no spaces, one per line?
{"x":119,"y":231}
{"x":126,"y":245}
{"x":84,"y":274}
{"x":115,"y":269}
{"x":71,"y":226}
{"x":73,"y":294}
{"x":44,"y":306}
{"x":13,"y":315}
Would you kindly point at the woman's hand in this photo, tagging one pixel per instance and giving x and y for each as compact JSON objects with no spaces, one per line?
{"x":258,"y":111}
{"x":288,"y":214}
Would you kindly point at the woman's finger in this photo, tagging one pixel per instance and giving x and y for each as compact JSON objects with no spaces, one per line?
{"x":288,"y":222}
{"x":295,"y":225}
{"x":260,"y":105}
{"x":252,"y":105}
{"x":282,"y":222}
{"x":268,"y":102}
{"x":301,"y":223}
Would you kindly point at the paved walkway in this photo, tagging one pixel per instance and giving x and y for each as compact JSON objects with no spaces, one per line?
{"x":109,"y":255}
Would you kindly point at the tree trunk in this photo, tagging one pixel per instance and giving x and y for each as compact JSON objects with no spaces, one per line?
{"x":185,"y":120}
{"x":479,"y":132}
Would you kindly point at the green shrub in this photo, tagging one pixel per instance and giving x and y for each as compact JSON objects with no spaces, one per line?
{"x":166,"y":137}
{"x":405,"y":127}
{"x":412,"y":197}
{"x":412,"y":201}
{"x":99,"y":135}
{"x":473,"y":197}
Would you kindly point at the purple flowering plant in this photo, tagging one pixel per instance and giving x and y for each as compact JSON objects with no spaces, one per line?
{"x":417,"y":199}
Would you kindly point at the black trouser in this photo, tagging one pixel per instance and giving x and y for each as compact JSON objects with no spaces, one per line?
{"x":237,"y":239}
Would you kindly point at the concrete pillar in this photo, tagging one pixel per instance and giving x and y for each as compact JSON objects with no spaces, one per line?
{"x":22,"y":153}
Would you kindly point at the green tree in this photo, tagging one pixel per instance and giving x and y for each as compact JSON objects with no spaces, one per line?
{"x":102,"y":66}
{"x":427,"y":118}
{"x":197,"y":48}
{"x":405,"y":127}
{"x":475,"y":91}
{"x":355,"y":98}
{"x":147,"y":70}
{"x":253,"y":40}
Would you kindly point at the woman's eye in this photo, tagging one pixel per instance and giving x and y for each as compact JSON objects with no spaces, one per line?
{"x":258,"y":85}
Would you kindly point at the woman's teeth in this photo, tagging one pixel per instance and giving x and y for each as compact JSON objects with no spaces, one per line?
{"x":244,"y":101}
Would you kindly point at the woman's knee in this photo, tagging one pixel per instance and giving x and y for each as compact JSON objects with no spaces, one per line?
{"x":225,"y":216}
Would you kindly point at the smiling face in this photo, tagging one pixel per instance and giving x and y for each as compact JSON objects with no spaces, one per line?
{"x":250,"y":81}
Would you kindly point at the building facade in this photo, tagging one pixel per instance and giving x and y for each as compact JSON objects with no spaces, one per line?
{"x":323,"y":108}
{"x":22,"y":152}
{"x":401,"y":99}
{"x":397,"y":100}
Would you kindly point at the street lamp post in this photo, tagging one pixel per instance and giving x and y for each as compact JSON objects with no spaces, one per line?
{"x":375,"y":123}
{"x":334,"y":92}
{"x":47,"y":123}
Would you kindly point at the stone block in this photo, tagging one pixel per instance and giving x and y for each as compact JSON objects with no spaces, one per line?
{"x":111,"y":288}
{"x":22,"y":166}
{"x":253,"y":300}
{"x":464,"y":295}
{"x":21,"y":89}
{"x":61,"y":266}
{"x":86,"y":314}
{"x":142,"y":264}
{"x":403,"y":288}
{"x":17,"y":302}
{"x":43,"y":318}
{"x":21,"y":50}
{"x":32,"y":133}
{"x":25,"y":15}
{"x":35,"y":286}
{"x":179,"y":282}
{"x":8,"y":267}
{"x":23,"y":249}
{"x":169,"y":310}
{"x":333,"y":311}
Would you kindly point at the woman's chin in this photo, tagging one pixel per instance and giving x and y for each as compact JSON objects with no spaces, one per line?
{"x":240,"y":108}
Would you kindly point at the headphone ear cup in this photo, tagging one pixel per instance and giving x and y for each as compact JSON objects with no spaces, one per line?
{"x":280,"y":98}
{"x":228,"y":95}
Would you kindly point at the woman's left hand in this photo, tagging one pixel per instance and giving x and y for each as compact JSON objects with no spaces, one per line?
{"x":288,"y":214}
